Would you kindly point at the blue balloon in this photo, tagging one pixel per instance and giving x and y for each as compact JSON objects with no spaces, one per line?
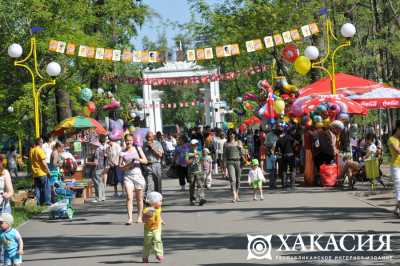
{"x":317,"y":119}
{"x":272,"y":121}
{"x":344,"y":116}
{"x":86,"y":94}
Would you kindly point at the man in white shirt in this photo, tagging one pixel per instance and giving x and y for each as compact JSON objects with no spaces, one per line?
{"x":48,"y":148}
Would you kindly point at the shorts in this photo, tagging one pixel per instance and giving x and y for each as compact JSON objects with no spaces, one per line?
{"x":256,"y":184}
{"x":11,"y":260}
{"x":138,"y":181}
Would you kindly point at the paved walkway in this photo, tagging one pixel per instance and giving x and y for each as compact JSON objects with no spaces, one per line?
{"x":211,"y":235}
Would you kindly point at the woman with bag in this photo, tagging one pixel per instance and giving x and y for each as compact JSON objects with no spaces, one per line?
{"x":130,"y":161}
{"x":6,"y":188}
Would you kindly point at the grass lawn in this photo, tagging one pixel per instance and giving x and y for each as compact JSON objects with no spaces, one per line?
{"x":24,"y":213}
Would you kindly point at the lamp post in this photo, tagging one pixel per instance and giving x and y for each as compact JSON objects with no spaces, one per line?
{"x":347,"y":31}
{"x":53,"y":69}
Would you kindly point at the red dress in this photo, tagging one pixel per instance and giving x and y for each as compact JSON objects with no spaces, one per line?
{"x":263,"y":148}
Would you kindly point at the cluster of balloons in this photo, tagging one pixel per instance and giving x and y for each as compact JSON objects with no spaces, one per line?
{"x":324,"y":114}
{"x":85,"y":96}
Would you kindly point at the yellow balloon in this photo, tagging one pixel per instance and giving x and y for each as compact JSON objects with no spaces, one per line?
{"x":327,"y":122}
{"x":279,"y":106}
{"x":319,"y":125}
{"x":295,"y":120}
{"x":302,"y":65}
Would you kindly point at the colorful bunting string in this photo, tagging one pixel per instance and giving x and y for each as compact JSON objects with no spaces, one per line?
{"x":253,"y":45}
{"x":107,"y":54}
{"x":184,"y":81}
{"x":176,"y":105}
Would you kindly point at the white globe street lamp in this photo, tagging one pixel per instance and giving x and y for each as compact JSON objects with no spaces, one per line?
{"x":53,"y":69}
{"x":348,"y":30}
{"x":100,"y":91}
{"x":239,"y":99}
{"x":15,"y":50}
{"x":311,"y":52}
{"x":10,"y":109}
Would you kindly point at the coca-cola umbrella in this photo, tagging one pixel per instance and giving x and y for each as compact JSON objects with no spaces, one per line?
{"x":370,"y":94}
{"x":308,"y":104}
{"x":380,"y":98}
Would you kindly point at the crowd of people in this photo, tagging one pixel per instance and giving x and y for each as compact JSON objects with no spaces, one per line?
{"x":275,"y":154}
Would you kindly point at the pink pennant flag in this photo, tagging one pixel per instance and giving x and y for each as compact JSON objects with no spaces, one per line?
{"x":162,"y":106}
{"x":174,"y":105}
{"x":194,"y":103}
{"x":181,"y":105}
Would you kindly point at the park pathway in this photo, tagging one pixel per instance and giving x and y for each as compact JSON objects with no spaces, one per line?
{"x":211,"y":235}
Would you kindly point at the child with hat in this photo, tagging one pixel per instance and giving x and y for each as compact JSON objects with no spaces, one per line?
{"x":11,"y":240}
{"x":152,"y":227}
{"x":256,"y":179}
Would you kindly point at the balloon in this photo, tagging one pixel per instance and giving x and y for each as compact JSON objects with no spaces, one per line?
{"x":86,"y":94}
{"x":112,"y":106}
{"x":247,"y":122}
{"x":272,"y":121}
{"x":302,"y":65}
{"x":317,"y":119}
{"x":309,"y":123}
{"x":116,"y":134}
{"x":295,"y":120}
{"x":132,"y":114}
{"x":91,"y":107}
{"x":242,"y":128}
{"x":286,"y":119}
{"x":290,"y":53}
{"x":85,"y":111}
{"x":248,"y":106}
{"x":343,"y":116}
{"x":279,"y":106}
{"x":319,"y":125}
{"x":326,"y":122}
{"x":335,"y":107}
{"x":249,"y":96}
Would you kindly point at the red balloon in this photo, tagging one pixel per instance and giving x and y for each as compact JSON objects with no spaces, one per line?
{"x":265,"y":84}
{"x":91,"y":106}
{"x":242,"y":128}
{"x":290,"y":53}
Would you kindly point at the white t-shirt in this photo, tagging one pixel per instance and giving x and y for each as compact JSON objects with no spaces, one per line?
{"x":169,"y":144}
{"x":255,"y":175}
{"x":47,"y":150}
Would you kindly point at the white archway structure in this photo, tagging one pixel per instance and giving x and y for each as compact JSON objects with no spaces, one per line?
{"x":151,"y":98}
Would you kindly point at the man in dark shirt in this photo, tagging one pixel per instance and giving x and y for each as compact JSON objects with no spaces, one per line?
{"x":285,"y":152}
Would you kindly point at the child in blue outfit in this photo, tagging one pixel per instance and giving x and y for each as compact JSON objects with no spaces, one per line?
{"x":11,"y":241}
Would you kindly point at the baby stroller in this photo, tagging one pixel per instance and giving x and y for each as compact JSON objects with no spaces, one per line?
{"x":62,"y":209}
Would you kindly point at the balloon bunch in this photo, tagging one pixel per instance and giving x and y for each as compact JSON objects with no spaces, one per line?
{"x":116,"y":129}
{"x":324,"y":114}
{"x":85,"y":96}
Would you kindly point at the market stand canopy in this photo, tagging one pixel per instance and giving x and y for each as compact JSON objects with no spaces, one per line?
{"x":370,"y":94}
{"x":74,"y":124}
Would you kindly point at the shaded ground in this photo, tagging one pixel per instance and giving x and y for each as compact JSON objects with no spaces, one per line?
{"x":212,"y":235}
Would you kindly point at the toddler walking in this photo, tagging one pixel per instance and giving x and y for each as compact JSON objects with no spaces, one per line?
{"x":13,"y":246}
{"x":256,"y":179}
{"x":206,"y":165}
{"x":152,"y":227}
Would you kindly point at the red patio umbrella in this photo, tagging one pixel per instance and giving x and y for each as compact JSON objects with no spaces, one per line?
{"x":308,"y":104}
{"x":345,"y":85}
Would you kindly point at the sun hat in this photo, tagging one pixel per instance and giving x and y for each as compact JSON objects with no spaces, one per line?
{"x":206,"y":150}
{"x":194,"y":142}
{"x":6,"y":218}
{"x":154,"y":197}
{"x":254,"y":162}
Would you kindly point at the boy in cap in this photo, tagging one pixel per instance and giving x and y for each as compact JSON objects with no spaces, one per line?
{"x":11,"y":240}
{"x":256,"y":179}
{"x":196,"y":176}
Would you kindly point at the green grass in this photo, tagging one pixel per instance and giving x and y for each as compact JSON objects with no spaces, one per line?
{"x":23,"y":214}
